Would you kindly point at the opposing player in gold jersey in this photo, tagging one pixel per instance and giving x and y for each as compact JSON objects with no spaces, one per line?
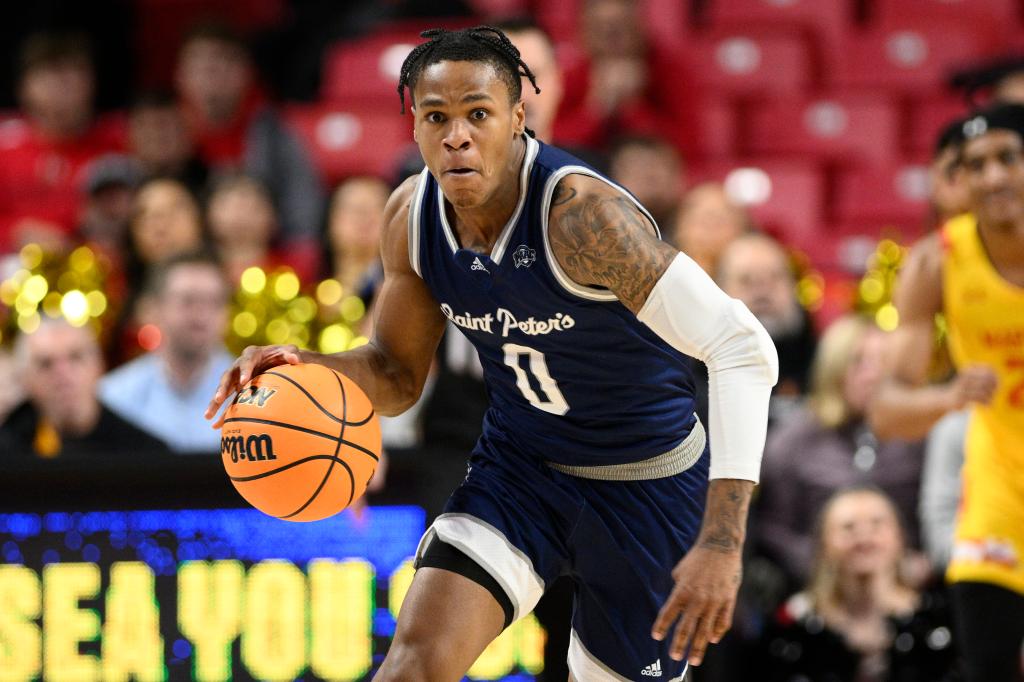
{"x":972,"y":271}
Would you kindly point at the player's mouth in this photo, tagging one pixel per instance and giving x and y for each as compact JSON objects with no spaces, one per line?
{"x":459,"y":172}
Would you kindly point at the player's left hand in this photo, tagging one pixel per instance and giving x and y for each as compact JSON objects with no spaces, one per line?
{"x":703,"y":600}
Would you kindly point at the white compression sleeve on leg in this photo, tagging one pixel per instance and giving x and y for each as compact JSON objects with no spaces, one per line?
{"x":688,"y":310}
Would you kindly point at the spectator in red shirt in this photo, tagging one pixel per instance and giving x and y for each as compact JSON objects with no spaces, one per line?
{"x":624,"y":82}
{"x":234,"y":128}
{"x":45,"y":152}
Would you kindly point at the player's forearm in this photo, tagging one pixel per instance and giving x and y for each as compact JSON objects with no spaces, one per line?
{"x":906,"y":412}
{"x":391,"y":387}
{"x":725,"y":518}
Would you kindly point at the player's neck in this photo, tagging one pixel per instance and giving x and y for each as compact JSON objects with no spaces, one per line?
{"x":1004,"y":246}
{"x":478,"y":228}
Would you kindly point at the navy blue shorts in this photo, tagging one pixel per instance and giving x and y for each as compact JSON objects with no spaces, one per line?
{"x":526,"y":524}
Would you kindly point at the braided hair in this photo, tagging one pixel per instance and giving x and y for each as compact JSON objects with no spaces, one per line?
{"x":479,"y":44}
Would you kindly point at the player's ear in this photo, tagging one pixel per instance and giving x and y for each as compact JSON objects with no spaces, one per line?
{"x":413,"y":110}
{"x":519,"y":117}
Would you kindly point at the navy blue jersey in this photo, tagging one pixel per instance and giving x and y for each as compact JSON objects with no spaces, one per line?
{"x":573,"y":377}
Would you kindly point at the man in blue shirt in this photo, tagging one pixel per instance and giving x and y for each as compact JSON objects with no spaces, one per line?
{"x":164,"y":392}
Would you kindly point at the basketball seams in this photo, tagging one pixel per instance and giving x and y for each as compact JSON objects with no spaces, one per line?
{"x":302,"y":429}
{"x":283,"y":467}
{"x":320,"y":407}
{"x":302,"y":432}
{"x":334,"y":459}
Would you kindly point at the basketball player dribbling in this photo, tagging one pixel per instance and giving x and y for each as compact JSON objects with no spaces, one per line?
{"x":592,"y":463}
{"x":972,"y":271}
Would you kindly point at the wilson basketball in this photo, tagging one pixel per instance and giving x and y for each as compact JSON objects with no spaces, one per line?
{"x":300,"y":442}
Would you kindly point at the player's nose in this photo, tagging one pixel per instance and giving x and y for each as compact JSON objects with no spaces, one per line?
{"x":457,"y":137}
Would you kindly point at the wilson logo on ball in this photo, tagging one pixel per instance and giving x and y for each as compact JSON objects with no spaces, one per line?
{"x":255,"y":396}
{"x":254,"y":448}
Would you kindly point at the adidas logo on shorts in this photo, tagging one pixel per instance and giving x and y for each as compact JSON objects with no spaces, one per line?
{"x":653,"y":670}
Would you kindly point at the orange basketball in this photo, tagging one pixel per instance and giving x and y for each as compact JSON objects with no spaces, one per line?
{"x":300,"y":442}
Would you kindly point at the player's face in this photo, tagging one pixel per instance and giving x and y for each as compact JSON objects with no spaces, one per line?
{"x":466,"y":128}
{"x":949,"y":191}
{"x":993,"y":166}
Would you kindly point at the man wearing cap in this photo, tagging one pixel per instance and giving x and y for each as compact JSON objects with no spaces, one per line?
{"x":109,"y":189}
{"x":972,"y":272}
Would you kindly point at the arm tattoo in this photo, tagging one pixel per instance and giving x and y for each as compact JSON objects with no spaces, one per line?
{"x":603,"y":239}
{"x":563,"y":195}
{"x":725,"y":519}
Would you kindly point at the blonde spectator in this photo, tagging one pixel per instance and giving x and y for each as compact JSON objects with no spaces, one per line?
{"x":827,"y":446}
{"x":858,"y":620}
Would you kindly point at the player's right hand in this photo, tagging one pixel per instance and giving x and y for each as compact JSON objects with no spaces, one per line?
{"x":254,"y":360}
{"x":973,"y":384}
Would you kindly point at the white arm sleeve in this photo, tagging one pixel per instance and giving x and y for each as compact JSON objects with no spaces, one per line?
{"x":688,"y":310}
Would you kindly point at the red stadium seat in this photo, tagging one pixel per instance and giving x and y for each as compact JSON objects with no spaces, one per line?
{"x":999,"y":19}
{"x":666,"y":21}
{"x":928,"y":118}
{"x":824,"y":21}
{"x":786,"y":198}
{"x":908,"y":59}
{"x":747,"y":63}
{"x":846,"y":129}
{"x":352,"y":141}
{"x":718,"y":124}
{"x":896,"y":194}
{"x":367,"y":69}
{"x":486,"y":9}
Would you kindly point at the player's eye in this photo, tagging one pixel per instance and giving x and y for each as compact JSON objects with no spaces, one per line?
{"x":434,"y":117}
{"x":1009,"y":157}
{"x":478,"y":114}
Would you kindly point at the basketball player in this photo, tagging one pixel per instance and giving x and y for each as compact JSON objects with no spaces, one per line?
{"x":972,"y":271}
{"x":591,"y":463}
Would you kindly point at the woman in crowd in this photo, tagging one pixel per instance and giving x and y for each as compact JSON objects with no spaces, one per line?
{"x":243,"y":223}
{"x":353,"y":233}
{"x":166,"y":221}
{"x":858,"y":619}
{"x":815,"y":451}
{"x":707,"y":221}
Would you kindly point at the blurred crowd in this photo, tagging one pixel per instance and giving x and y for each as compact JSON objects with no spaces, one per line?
{"x":205,"y":220}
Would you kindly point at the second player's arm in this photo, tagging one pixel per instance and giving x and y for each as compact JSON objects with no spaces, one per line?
{"x":906,"y":406}
{"x":600,"y":237}
{"x":408,"y":325}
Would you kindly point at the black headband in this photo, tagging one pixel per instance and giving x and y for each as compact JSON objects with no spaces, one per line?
{"x":998,"y":116}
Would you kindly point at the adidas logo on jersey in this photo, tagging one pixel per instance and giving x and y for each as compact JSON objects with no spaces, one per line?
{"x":653,"y":670}
{"x":479,"y":265}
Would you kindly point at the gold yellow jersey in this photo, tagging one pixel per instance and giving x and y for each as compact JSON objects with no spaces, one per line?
{"x":985,"y":318}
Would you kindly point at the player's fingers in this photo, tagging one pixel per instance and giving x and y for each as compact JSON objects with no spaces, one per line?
{"x":685,"y":630}
{"x":222,"y":392}
{"x":247,"y":363}
{"x":701,"y":638}
{"x":670,"y":610}
{"x":722,"y":622}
